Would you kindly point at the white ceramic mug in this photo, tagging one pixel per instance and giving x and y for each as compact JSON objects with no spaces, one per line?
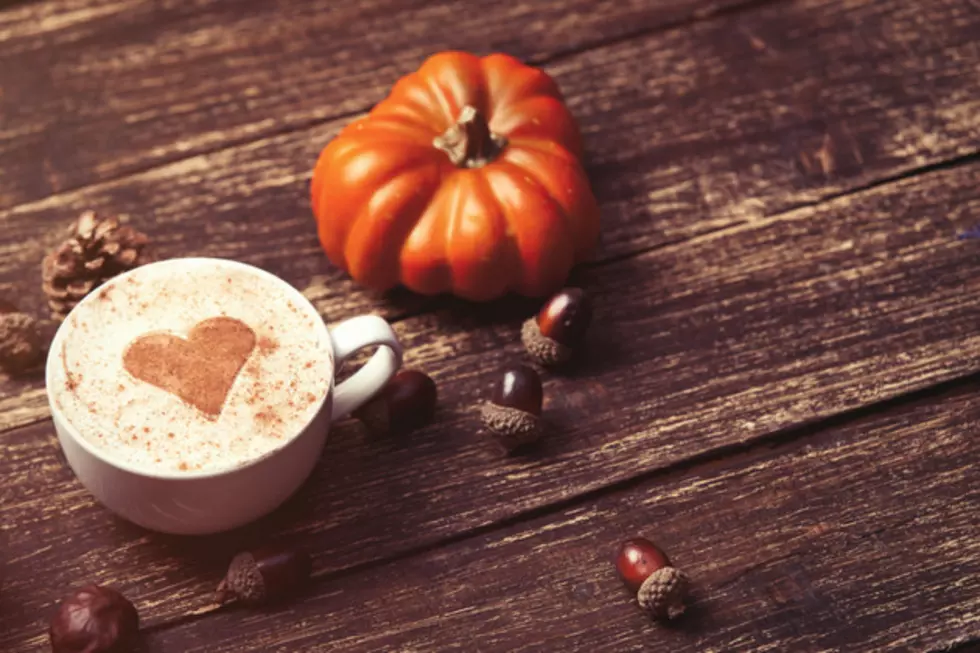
{"x":200,"y":502}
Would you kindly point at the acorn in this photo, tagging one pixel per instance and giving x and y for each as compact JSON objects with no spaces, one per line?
{"x":265,"y":575}
{"x":645,"y":569}
{"x":406,"y":403}
{"x":94,"y":619}
{"x":552,"y":336}
{"x":513,"y":414}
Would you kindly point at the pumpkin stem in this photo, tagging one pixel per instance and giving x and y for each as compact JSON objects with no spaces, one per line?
{"x":470,"y":143}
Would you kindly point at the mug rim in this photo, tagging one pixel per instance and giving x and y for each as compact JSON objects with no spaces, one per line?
{"x":147,"y":471}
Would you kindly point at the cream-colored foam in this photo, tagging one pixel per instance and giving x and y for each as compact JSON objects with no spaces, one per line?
{"x":275,"y":394}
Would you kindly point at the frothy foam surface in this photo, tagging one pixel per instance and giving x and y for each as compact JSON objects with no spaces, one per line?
{"x":273,"y":389}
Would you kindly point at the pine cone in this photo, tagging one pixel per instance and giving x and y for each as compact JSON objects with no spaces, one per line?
{"x":20,"y":342}
{"x":97,"y":250}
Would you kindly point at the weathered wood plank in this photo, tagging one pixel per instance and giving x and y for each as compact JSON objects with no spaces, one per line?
{"x":672,"y":157}
{"x":829,"y":543}
{"x":95,"y":90}
{"x":759,"y":328}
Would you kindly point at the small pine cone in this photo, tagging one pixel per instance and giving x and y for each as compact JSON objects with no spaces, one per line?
{"x":663,"y":593}
{"x":20,"y":341}
{"x":96,"y":250}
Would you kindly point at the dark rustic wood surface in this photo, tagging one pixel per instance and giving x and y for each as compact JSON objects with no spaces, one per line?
{"x":782,"y":185}
{"x":787,"y":556}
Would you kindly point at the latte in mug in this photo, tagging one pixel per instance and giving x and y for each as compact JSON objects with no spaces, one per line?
{"x":201,"y":369}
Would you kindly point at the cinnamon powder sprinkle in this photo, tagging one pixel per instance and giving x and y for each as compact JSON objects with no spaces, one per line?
{"x":267,"y":345}
{"x":269,"y":416}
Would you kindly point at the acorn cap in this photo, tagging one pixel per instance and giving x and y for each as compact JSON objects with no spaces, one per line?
{"x":663,"y":593}
{"x":541,"y":348}
{"x":243,"y":581}
{"x":512,"y":427}
{"x":265,"y":575}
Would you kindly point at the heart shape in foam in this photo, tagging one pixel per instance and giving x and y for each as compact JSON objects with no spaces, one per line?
{"x":199,"y":369}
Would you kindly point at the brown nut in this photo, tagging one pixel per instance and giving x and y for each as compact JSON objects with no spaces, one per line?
{"x":645,"y":569}
{"x":408,"y":402}
{"x":94,"y":619}
{"x":513,"y":414}
{"x":552,"y":336}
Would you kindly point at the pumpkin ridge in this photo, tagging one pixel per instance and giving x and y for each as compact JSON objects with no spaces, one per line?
{"x":418,"y":157}
{"x":420,"y":260}
{"x":516,"y":261}
{"x":541,"y":117}
{"x":532,"y":178}
{"x":408,"y":113}
{"x":494,"y":223}
{"x":528,"y":225}
{"x":440,"y":68}
{"x":545,"y":146}
{"x":532,"y":84}
{"x":397,"y":129}
{"x":405,"y":94}
{"x":402,"y":223}
{"x":584,"y":228}
{"x":517,"y":268}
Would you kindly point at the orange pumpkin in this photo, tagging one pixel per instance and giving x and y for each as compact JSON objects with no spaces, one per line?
{"x":465,"y":179}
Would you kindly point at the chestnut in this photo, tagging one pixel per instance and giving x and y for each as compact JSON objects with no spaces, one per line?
{"x":645,"y":569}
{"x":552,"y":336}
{"x":406,"y":403}
{"x":94,"y":619}
{"x":513,"y":414}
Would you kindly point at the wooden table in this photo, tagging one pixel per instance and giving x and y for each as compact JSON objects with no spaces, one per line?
{"x":780,"y":387}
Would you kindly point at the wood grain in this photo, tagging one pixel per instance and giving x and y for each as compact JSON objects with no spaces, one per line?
{"x":754,"y":276}
{"x":853,"y":546}
{"x":672,"y":155}
{"x":728,"y":338}
{"x":93,"y":90}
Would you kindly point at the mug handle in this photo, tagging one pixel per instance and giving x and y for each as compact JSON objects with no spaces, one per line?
{"x":348,"y":337}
